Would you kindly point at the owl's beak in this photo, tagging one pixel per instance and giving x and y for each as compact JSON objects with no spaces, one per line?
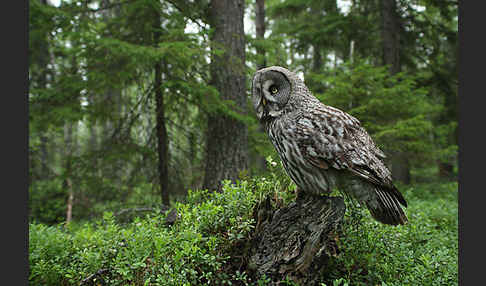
{"x":264,"y":106}
{"x":259,"y":100}
{"x":260,"y":103}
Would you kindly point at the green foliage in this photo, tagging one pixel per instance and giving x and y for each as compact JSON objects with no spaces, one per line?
{"x":92,"y":68}
{"x":423,"y":252}
{"x":212,"y":231}
{"x":315,"y":24}
{"x":146,"y":251}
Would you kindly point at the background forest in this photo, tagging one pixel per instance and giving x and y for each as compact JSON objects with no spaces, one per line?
{"x":138,"y":105}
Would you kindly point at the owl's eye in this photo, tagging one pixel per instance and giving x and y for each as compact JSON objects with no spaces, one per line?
{"x":273,"y":89}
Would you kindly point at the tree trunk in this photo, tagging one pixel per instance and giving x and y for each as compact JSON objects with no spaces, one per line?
{"x":227,"y":142}
{"x":317,"y":59}
{"x":316,"y":13}
{"x":161,"y":136}
{"x":41,"y":79}
{"x":400,"y":167}
{"x":69,"y":211}
{"x":44,"y":156}
{"x":260,"y":31}
{"x":67,"y":183}
{"x":162,"y":140}
{"x":111,"y":100}
{"x":351,"y":51}
{"x":296,"y":242}
{"x":93,"y":138}
{"x":391,"y":57}
{"x":261,"y":63}
{"x":390,"y":35}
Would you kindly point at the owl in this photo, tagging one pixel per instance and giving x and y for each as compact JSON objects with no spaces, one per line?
{"x":322,"y":147}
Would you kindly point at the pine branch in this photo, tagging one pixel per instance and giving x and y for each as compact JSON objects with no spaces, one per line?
{"x":187,"y":8}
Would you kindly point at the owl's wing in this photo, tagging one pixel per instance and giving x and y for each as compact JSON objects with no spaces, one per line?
{"x":331,"y":138}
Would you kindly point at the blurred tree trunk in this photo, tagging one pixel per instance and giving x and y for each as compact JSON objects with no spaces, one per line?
{"x":162,"y":140}
{"x":261,"y":62}
{"x":93,"y":136}
{"x":44,"y":156}
{"x":227,"y":142}
{"x":317,"y":59}
{"x":351,"y":51}
{"x":111,"y":99}
{"x":70,"y":146}
{"x":316,"y":12}
{"x":260,"y":31}
{"x":112,"y":106}
{"x":391,"y":35}
{"x":70,"y":130}
{"x":391,"y":56}
{"x":41,"y":79}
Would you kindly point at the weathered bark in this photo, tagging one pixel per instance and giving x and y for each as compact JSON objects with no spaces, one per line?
{"x":296,"y":241}
{"x":391,"y":56}
{"x":227,"y":137}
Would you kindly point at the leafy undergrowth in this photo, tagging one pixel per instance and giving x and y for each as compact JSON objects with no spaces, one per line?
{"x":208,"y":243}
{"x":423,"y":252}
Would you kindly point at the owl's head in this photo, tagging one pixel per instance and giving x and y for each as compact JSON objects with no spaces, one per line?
{"x":271,"y":90}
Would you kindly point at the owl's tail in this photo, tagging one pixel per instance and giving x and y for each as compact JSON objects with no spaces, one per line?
{"x":386,"y":208}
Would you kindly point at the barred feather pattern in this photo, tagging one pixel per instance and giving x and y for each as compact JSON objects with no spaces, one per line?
{"x":322,"y":147}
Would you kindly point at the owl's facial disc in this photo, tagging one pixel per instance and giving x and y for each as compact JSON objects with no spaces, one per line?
{"x":271,"y":91}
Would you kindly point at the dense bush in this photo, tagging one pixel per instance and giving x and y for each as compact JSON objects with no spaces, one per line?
{"x":147,"y":251}
{"x":211,"y":234}
{"x":423,"y":252}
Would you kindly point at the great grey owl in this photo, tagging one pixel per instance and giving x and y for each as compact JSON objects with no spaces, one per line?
{"x":322,"y":147}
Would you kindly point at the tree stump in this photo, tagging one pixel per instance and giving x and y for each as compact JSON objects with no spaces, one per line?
{"x":295,"y":242}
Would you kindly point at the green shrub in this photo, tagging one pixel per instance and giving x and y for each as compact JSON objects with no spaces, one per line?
{"x":423,"y":252}
{"x":193,"y":251}
{"x":211,"y":235}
